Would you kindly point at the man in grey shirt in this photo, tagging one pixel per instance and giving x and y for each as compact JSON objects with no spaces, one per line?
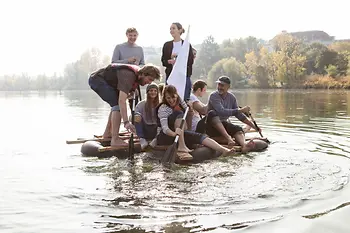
{"x":225,"y":105}
{"x":129,"y":52}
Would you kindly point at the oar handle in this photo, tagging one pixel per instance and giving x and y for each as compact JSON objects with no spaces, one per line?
{"x":182,"y":124}
{"x":133,"y":109}
{"x":254,"y":122}
{"x":131,"y":140}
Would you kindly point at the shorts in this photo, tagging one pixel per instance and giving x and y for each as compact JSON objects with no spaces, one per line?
{"x":105,"y":91}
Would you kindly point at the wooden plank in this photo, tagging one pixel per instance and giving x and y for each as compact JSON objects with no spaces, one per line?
{"x":99,"y":139}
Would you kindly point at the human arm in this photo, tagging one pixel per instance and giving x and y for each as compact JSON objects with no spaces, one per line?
{"x":190,"y":57}
{"x":200,"y":107}
{"x":215,"y":102}
{"x":163,"y":113}
{"x":166,"y":56}
{"x":142,"y":59}
{"x":116,"y":56}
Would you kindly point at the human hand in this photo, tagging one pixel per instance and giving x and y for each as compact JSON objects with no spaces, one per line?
{"x":171,"y":61}
{"x":178,"y":131}
{"x":132,"y":60}
{"x":245,"y":110}
{"x":130,"y":127}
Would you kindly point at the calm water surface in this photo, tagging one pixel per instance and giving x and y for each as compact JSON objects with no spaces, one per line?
{"x":300,"y":184}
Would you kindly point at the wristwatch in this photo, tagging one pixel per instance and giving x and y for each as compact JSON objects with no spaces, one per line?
{"x":126,"y":122}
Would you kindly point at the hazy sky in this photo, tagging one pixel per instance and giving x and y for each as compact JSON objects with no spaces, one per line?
{"x":40,"y":36}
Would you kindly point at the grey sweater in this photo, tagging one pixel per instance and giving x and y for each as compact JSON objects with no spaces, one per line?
{"x":225,"y":106}
{"x":124,"y":51}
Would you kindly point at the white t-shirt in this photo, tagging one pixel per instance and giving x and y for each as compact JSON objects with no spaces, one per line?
{"x":196,"y":117}
{"x":177,"y":47}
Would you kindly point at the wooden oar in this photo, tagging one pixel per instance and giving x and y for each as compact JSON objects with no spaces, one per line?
{"x":131,"y":140}
{"x":170,"y":153}
{"x":257,"y":127}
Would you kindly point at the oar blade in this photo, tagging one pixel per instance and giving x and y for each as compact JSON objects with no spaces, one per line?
{"x":131,"y":147}
{"x":169,"y":155}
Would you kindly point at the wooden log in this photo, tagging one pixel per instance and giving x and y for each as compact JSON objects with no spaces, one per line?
{"x":126,"y":135}
{"x":157,"y":148}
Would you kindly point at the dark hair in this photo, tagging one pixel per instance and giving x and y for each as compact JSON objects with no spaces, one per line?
{"x":199,"y":84}
{"x":130,"y":30}
{"x":179,"y":27}
{"x":161,"y":88}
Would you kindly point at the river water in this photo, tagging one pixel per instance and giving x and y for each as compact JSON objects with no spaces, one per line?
{"x":299,"y":184}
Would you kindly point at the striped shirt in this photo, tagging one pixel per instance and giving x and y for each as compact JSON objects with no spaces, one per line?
{"x":164,"y":112}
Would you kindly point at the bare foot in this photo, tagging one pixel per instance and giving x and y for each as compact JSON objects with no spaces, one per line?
{"x":106,"y":135}
{"x":185,"y":149}
{"x":229,"y":152}
{"x":230,"y":142}
{"x":249,"y":146}
{"x":117,"y":142}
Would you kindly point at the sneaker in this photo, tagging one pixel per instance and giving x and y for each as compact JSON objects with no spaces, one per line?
{"x":143,"y":143}
{"x":153,"y":143}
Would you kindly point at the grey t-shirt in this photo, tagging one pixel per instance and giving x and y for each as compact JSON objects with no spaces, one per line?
{"x":124,"y":51}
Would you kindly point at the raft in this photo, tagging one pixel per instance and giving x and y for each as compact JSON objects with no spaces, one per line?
{"x":97,"y":147}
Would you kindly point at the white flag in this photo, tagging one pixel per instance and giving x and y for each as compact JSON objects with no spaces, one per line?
{"x":178,"y":74}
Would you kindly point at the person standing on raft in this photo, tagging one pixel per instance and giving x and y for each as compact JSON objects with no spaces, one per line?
{"x":114,"y":84}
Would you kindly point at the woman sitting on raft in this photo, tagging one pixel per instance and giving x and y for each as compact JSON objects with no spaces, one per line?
{"x":146,"y":117}
{"x":170,"y":113}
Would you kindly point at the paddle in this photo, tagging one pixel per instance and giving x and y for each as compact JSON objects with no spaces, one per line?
{"x":170,"y":153}
{"x":131,"y":139}
{"x":257,"y":127}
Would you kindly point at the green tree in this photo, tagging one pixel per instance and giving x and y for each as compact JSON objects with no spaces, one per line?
{"x":207,"y":56}
{"x":332,"y":71}
{"x":230,"y":67}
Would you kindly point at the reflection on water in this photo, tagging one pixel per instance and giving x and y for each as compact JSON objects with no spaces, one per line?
{"x":302,"y":179}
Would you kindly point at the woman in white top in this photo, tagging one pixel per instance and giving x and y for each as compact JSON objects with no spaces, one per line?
{"x":170,"y":51}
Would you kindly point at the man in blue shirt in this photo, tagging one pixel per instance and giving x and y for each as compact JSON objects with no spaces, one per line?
{"x":225,"y":105}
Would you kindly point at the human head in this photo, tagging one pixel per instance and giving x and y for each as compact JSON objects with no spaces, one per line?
{"x":152,"y":91}
{"x":170,"y":96}
{"x":176,"y":30}
{"x":131,"y":34}
{"x":199,"y":87}
{"x":224,"y":83}
{"x":147,"y":74}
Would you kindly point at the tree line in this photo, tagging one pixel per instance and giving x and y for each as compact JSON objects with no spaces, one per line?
{"x":285,"y":62}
